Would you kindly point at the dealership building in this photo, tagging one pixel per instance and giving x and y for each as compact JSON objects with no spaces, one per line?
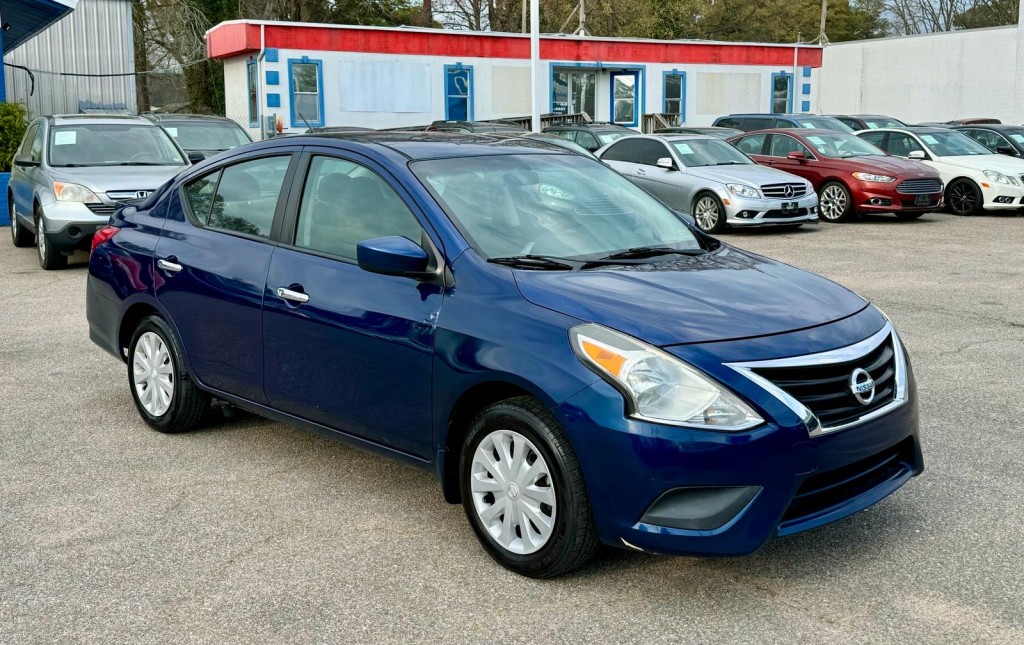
{"x":332,"y":75}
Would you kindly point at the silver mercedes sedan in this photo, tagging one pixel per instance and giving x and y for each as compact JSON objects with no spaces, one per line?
{"x":714,"y":181}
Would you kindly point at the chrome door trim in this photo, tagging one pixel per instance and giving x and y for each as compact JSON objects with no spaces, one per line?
{"x":173,"y":267}
{"x":294,"y":296}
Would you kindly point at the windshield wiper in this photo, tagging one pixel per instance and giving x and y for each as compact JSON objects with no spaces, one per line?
{"x":643,"y":252}
{"x":140,"y":163}
{"x":541,"y":262}
{"x":732,"y":163}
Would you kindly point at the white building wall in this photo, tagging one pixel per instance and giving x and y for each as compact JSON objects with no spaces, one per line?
{"x":930,"y":77}
{"x":359,"y":89}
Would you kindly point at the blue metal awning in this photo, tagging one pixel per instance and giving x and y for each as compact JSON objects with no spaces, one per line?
{"x":28,"y":17}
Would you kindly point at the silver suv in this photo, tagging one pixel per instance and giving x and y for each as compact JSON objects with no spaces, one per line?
{"x":71,"y":171}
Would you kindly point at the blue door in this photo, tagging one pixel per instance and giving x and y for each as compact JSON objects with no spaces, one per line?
{"x":211,"y":267}
{"x":354,"y":350}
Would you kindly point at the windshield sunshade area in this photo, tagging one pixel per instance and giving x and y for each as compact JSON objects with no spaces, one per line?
{"x":560,"y":206}
{"x":953,"y":144}
{"x":842,"y":146}
{"x":112,"y":145}
{"x":709,"y":152}
{"x":207,"y":136}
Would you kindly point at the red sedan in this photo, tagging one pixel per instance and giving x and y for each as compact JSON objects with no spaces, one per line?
{"x":849,"y":174}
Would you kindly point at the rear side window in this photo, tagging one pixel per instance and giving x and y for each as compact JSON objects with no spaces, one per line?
{"x":727,"y":122}
{"x":641,"y":151}
{"x":758,"y":123}
{"x":752,"y":145}
{"x":241,"y":198}
{"x":783,"y":123}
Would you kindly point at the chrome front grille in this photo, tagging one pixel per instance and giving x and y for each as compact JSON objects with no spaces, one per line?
{"x":128,"y":195}
{"x":784,"y":191}
{"x":919,"y":186}
{"x":101,"y":209}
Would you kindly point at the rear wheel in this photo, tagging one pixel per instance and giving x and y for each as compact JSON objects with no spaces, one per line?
{"x":834,"y":203}
{"x":964,"y":197}
{"x":165,"y":396}
{"x":49,"y":257}
{"x":20,"y":236}
{"x":523,"y":490}
{"x":708,"y":213}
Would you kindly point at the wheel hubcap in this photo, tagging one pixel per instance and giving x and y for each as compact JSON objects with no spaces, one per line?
{"x":41,"y":238}
{"x":14,"y":222}
{"x":706,"y":213}
{"x":513,"y":493}
{"x":153,"y":374}
{"x":833,"y":202}
{"x":961,"y":198}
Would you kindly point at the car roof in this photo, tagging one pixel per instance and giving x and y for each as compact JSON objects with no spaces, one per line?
{"x":799,"y":132}
{"x":790,"y":115}
{"x":675,"y":136}
{"x":171,"y":116}
{"x":427,"y":145}
{"x":988,"y":126}
{"x":102,"y":119}
{"x":588,"y":126}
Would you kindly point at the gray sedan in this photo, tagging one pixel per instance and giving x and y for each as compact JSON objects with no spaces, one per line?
{"x":713,"y":180}
{"x":71,"y":171}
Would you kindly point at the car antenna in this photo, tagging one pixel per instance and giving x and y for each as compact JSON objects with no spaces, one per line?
{"x":308,"y":126}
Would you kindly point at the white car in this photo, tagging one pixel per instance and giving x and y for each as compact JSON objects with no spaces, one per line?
{"x":976,"y":179}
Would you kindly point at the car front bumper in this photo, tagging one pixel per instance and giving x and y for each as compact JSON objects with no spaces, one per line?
{"x":1002,"y":196}
{"x":742,"y":488}
{"x":874,"y":197}
{"x":743,"y":211}
{"x":71,"y":225}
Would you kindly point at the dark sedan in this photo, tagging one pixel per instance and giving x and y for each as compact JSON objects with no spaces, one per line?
{"x":1004,"y":139}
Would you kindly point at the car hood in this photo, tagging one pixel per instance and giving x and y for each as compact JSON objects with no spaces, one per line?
{"x":904,"y":168}
{"x":105,"y":179}
{"x":1000,"y":163}
{"x":752,"y":174}
{"x":724,"y":295}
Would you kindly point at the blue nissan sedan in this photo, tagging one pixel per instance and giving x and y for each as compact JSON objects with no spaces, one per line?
{"x":575,"y":361}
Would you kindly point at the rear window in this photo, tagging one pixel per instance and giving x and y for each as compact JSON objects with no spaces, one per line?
{"x":127,"y":144}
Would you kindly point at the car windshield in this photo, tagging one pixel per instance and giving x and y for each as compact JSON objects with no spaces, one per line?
{"x":207,"y":135}
{"x":558,"y":205}
{"x":842,"y":146}
{"x":127,"y":144}
{"x":952,"y":144}
{"x":608,"y":137}
{"x":709,"y":152}
{"x":823,"y":123}
{"x":722,"y":133}
{"x":883,"y":123}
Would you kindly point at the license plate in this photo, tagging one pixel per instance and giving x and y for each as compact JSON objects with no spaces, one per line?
{"x":790,"y":207}
{"x":923,"y":200}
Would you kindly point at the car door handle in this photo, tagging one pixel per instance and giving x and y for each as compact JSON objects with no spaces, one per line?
{"x":167,"y":265}
{"x":641,"y":171}
{"x":294,"y":296}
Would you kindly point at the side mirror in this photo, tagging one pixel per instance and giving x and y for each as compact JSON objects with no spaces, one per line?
{"x":666,"y":163}
{"x":195,"y":157}
{"x":392,"y":255}
{"x":796,"y":155}
{"x":25,"y":160}
{"x":1006,"y":150}
{"x":916,"y":154}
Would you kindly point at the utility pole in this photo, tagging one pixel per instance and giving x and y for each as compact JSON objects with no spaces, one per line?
{"x":822,"y":38}
{"x":524,"y":15}
{"x":534,"y":64}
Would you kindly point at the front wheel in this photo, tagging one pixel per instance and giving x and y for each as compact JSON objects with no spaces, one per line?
{"x":49,"y":257}
{"x":709,"y":213}
{"x":165,"y":396}
{"x":523,"y":490}
{"x":964,"y":197}
{"x":20,"y":236}
{"x":834,"y":203}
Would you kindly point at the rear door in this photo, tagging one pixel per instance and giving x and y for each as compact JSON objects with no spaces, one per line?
{"x":211,"y":267}
{"x":354,"y":350}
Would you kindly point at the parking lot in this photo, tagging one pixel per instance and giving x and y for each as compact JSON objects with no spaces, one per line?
{"x":251,"y":531}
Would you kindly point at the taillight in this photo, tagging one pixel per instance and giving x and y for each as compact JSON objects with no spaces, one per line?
{"x":103,"y":235}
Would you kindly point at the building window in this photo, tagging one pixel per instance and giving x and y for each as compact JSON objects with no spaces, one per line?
{"x":675,"y":94}
{"x":782,"y":93}
{"x":624,"y":108}
{"x":458,"y":90}
{"x":254,"y":101}
{"x":305,"y":78}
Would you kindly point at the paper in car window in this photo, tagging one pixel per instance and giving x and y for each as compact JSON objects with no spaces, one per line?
{"x":929,"y":139}
{"x":1019,"y":138}
{"x":818,"y":141}
{"x":684,"y":149}
{"x":65,"y":137}
{"x":172,"y":131}
{"x":872,"y":126}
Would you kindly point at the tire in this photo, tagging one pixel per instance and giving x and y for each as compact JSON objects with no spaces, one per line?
{"x":547,"y":539}
{"x":963,"y":197}
{"x":49,"y":257}
{"x":708,"y":212}
{"x":20,"y":236}
{"x":155,"y":349}
{"x":835,"y":203}
{"x":908,"y":216}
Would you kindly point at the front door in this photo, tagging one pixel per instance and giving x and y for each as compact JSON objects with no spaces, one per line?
{"x":354,"y":350}
{"x":25,"y":178}
{"x":574,"y":92}
{"x":625,"y":88}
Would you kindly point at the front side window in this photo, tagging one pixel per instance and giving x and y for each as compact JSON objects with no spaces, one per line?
{"x":307,"y":101}
{"x":558,"y":205}
{"x":782,"y":145}
{"x":675,"y":93}
{"x":842,"y":146}
{"x":254,"y":103}
{"x":709,"y":152}
{"x":990,"y":140}
{"x":458,"y":83}
{"x":640,"y":151}
{"x":35,"y":149}
{"x":874,"y":138}
{"x":752,"y":145}
{"x":241,"y":198}
{"x":112,"y":144}
{"x":901,"y":145}
{"x":782,"y":85}
{"x":345,"y":203}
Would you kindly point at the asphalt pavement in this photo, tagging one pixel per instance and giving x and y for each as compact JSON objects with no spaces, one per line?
{"x":251,"y":531}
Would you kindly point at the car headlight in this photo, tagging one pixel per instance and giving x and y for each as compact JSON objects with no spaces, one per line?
{"x":74,"y":193}
{"x":997,"y":177}
{"x":658,"y":386}
{"x":880,"y":179}
{"x":742,"y":190}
